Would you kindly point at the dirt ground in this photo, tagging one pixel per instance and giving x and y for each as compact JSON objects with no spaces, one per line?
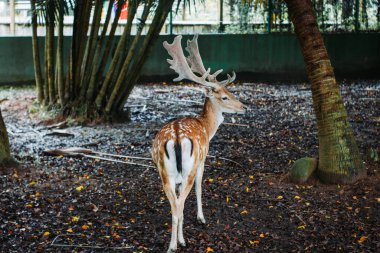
{"x":69,"y":204}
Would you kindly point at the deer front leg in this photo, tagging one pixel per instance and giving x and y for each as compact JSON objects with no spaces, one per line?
{"x":198,"y":191}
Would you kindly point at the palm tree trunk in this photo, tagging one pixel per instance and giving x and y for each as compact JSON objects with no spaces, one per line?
{"x":339,"y":158}
{"x":36,"y":55}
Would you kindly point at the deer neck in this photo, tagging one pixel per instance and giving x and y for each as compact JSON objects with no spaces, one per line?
{"x":211,"y":117}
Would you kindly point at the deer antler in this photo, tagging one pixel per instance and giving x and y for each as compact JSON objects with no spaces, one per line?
{"x":180,"y":65}
{"x":195,"y":61}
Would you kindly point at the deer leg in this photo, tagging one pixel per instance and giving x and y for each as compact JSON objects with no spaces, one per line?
{"x":198,"y":191}
{"x":189,"y":182}
{"x":169,"y":189}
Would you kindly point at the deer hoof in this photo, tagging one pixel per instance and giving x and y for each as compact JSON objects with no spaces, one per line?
{"x":183,"y":244}
{"x":201,"y":220}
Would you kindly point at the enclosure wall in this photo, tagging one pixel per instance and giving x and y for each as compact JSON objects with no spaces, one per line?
{"x":271,"y":57}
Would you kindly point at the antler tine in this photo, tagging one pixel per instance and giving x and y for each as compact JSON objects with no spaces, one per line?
{"x":194,"y":59}
{"x":229,"y":79}
{"x":181,"y":66}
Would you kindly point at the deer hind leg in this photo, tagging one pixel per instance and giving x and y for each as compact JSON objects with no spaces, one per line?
{"x":198,"y":191}
{"x":169,"y":188}
{"x":188,"y":183}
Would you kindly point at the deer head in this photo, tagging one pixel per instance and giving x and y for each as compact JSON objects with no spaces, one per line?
{"x":187,"y":68}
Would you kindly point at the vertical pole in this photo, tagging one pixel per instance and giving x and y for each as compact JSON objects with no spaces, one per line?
{"x":12,"y":16}
{"x":171,"y":22}
{"x":221,"y":26}
{"x":357,"y":25}
{"x":269,"y":16}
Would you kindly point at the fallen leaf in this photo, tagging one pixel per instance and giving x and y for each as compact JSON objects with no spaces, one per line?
{"x":280,"y":197}
{"x":301,"y":227}
{"x":297,"y":197}
{"x":75,"y":218}
{"x":209,"y":250}
{"x":46,"y":234}
{"x":262,"y":235}
{"x":79,"y":188}
{"x":85,"y":227}
{"x":244,"y":212}
{"x":362,"y":239}
{"x":255,"y":242}
{"x":70,"y":230}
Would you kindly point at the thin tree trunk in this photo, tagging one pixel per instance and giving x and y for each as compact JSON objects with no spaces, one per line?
{"x":50,"y":54}
{"x":46,"y":83}
{"x":339,"y":158}
{"x":124,"y":69}
{"x":90,"y":48}
{"x":118,"y":52}
{"x":60,"y":73}
{"x":158,"y":21}
{"x":36,"y":55}
{"x":99,"y":47}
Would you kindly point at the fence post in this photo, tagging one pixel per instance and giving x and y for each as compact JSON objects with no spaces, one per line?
{"x":269,"y":16}
{"x":357,"y":24}
{"x":171,"y":22}
{"x":12,"y":14}
{"x":221,"y":26}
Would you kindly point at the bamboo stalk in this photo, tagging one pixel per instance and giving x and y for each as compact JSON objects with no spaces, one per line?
{"x":90,"y":47}
{"x":115,"y":60}
{"x":124,"y":70}
{"x":162,"y":11}
{"x":60,"y":83}
{"x":36,"y":54}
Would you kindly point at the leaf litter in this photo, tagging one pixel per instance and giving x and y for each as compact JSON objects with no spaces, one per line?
{"x":65,"y":203}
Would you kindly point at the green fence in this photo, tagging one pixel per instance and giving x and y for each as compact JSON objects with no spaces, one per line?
{"x":271,"y":57}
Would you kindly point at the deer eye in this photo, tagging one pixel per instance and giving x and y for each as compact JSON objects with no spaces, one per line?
{"x":224,"y":98}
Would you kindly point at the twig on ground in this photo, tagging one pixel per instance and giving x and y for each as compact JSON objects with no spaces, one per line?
{"x":83,"y":246}
{"x":226,"y":159}
{"x":236,"y":124}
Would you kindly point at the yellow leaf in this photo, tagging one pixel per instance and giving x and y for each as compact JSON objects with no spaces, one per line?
{"x":280,"y":197}
{"x":251,"y":177}
{"x":32,"y":183}
{"x":71,"y":208}
{"x":354,"y":197}
{"x":211,"y":180}
{"x":70,"y":230}
{"x":119,"y":192}
{"x":209,"y":250}
{"x":37,"y":194}
{"x":301,"y":227}
{"x":79,"y":188}
{"x":244,"y":212}
{"x":29,"y":205}
{"x":362,"y":239}
{"x":85,"y":227}
{"x":262,"y":235}
{"x":255,"y":242}
{"x":378,"y":199}
{"x":270,"y":207}
{"x":247,"y":189}
{"x":297,"y":197}
{"x":46,"y":234}
{"x":227,"y":199}
{"x":75,"y":218}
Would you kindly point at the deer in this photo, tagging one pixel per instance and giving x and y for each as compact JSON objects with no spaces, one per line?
{"x":180,"y":148}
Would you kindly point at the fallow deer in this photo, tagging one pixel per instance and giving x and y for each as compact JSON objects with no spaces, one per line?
{"x":181,"y":146}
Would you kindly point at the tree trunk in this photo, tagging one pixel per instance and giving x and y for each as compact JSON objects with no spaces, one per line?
{"x":36,"y":54}
{"x":60,"y":72}
{"x":339,"y":158}
{"x":5,"y":155}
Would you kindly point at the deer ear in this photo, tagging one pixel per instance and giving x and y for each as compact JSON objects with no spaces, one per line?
{"x":209,"y":91}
